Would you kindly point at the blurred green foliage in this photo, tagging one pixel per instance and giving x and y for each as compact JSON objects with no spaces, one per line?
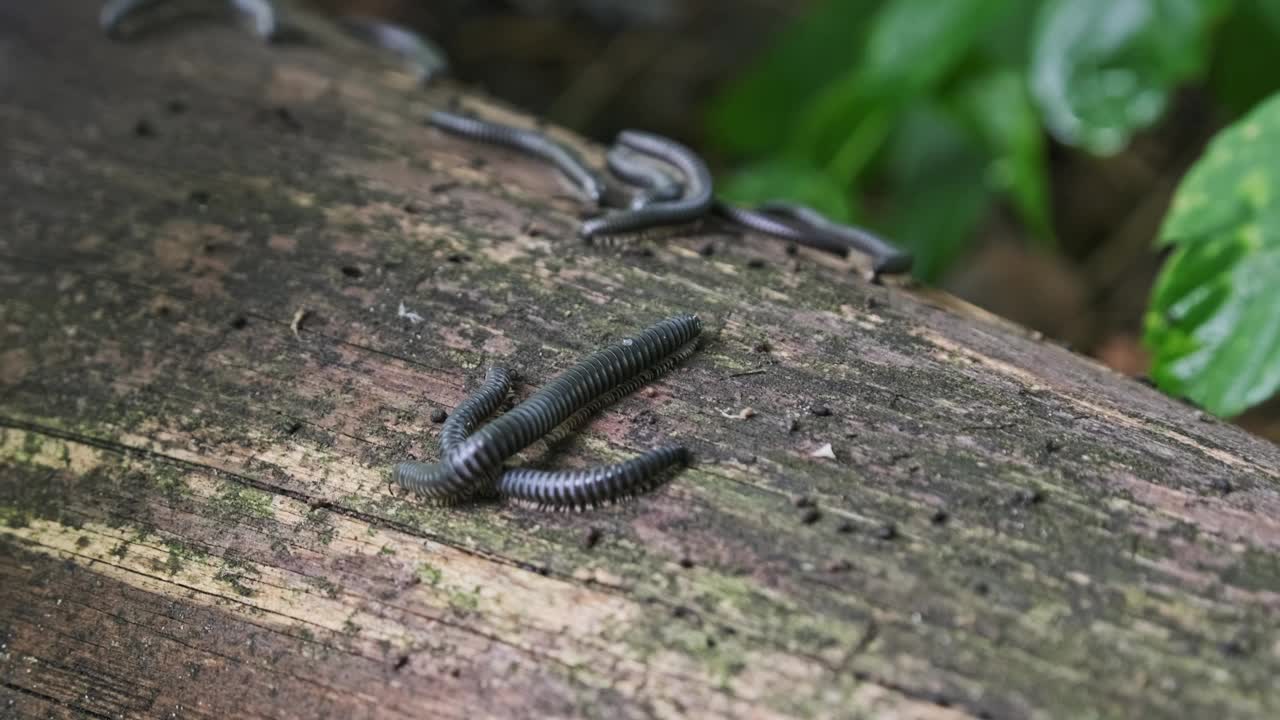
{"x":929,"y":112}
{"x":1103,"y":69}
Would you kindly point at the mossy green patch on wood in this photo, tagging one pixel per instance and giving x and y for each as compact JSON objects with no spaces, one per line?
{"x":238,"y":574}
{"x":235,"y":499}
{"x":319,"y":522}
{"x":181,"y":553}
{"x":465,"y":600}
{"x":428,"y":573}
{"x":324,"y":585}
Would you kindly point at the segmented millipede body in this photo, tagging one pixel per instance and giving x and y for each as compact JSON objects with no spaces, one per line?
{"x":692,"y":205}
{"x":650,"y":234}
{"x":423,"y":57}
{"x":479,"y":405}
{"x":758,"y":221}
{"x":838,"y":238}
{"x":657,"y":184}
{"x":589,"y":488}
{"x":580,"y":418}
{"x":527,"y":141}
{"x":471,"y":464}
{"x":427,"y":479}
{"x":262,"y":12}
{"x":484,"y":452}
{"x":436,"y":482}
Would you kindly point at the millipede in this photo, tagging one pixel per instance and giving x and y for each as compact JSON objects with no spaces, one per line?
{"x":757,"y":221}
{"x":423,"y":58}
{"x":475,"y":408}
{"x":262,"y":12}
{"x":470,"y":462}
{"x":591,"y":487}
{"x":692,"y":205}
{"x":529,"y":142}
{"x":827,"y":234}
{"x":631,"y":238}
{"x":578,"y":419}
{"x":655,"y":183}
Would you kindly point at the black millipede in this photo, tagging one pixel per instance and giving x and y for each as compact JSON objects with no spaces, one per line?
{"x":575,"y":389}
{"x":758,"y":221}
{"x":526,"y":141}
{"x":425,"y":59}
{"x":423,"y":478}
{"x":262,"y":12}
{"x":575,"y":489}
{"x":655,"y":183}
{"x":471,"y":465}
{"x":579,"y":418}
{"x":840,"y":239}
{"x":479,"y":405}
{"x":593,"y":486}
{"x":434,"y":482}
{"x":692,"y":205}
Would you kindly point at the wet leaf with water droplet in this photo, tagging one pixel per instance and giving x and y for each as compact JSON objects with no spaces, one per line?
{"x":1104,"y":69}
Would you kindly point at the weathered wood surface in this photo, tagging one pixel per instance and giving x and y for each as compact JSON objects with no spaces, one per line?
{"x":196,"y":515}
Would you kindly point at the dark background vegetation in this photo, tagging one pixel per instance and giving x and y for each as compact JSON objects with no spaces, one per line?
{"x":1001,"y":211}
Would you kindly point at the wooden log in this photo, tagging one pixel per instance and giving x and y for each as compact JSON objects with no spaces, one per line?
{"x":237,"y":280}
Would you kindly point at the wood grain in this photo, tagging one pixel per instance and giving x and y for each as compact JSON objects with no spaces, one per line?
{"x":206,"y":376}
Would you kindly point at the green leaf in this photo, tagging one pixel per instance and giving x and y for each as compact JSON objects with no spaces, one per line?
{"x":936,"y":173}
{"x":911,"y":48}
{"x":753,"y":115}
{"x":1248,"y":41}
{"x":998,"y":107}
{"x":1104,"y":69}
{"x":1270,"y":12}
{"x":914,"y":43}
{"x":789,"y":181}
{"x":1213,"y":326}
{"x":1007,"y":39}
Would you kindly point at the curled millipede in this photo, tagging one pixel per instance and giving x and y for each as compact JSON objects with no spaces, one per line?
{"x":262,"y":12}
{"x":435,"y":482}
{"x":423,"y":57}
{"x":430,"y":480}
{"x":591,"y":487}
{"x":470,"y":464}
{"x":526,"y":141}
{"x":656,"y":184}
{"x":826,"y":234}
{"x":692,"y":205}
{"x":479,"y":405}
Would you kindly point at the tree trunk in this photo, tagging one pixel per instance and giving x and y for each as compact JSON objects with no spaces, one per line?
{"x":237,"y":281}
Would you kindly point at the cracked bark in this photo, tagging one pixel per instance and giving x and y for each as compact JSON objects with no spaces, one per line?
{"x":194,"y":501}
